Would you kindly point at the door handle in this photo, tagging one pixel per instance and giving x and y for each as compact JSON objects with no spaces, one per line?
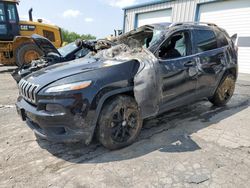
{"x":189,"y":64}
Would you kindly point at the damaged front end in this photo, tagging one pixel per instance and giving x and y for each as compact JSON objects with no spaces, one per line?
{"x":139,"y":45}
{"x":146,"y":81}
{"x":71,"y":51}
{"x":128,"y":65}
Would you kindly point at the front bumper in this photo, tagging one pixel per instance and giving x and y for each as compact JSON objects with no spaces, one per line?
{"x":56,"y":127}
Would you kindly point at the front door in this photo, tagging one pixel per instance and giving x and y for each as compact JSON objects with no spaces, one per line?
{"x":178,"y":70}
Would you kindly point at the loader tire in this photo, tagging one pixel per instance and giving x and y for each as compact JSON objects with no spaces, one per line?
{"x":27,"y":52}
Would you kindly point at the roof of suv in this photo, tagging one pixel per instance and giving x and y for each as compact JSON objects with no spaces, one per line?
{"x":186,"y":24}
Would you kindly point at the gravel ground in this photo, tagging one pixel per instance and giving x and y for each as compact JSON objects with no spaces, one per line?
{"x":193,"y":146}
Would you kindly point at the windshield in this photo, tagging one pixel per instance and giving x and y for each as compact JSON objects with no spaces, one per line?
{"x":146,"y":36}
{"x":157,"y":37}
{"x":132,"y":42}
{"x":65,"y":50}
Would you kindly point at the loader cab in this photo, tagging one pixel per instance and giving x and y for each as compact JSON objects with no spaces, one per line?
{"x":9,"y":27}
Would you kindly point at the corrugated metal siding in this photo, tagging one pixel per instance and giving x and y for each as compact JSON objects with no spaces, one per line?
{"x":182,"y":10}
{"x":235,"y":19}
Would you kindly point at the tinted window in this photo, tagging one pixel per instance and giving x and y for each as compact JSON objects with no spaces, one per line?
{"x":3,"y":29}
{"x":178,"y":45}
{"x":205,"y":40}
{"x":83,"y":52}
{"x":49,"y":35}
{"x":12,"y":13}
{"x":2,"y":13}
{"x":221,"y":38}
{"x":69,"y":48}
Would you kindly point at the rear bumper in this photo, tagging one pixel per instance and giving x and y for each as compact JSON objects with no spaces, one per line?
{"x":56,"y":127}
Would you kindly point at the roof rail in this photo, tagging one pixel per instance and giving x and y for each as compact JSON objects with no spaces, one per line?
{"x":193,"y":23}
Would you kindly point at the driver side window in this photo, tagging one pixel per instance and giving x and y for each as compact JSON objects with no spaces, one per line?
{"x":178,"y":45}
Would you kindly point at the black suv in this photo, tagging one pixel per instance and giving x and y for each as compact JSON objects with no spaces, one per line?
{"x":145,"y":72}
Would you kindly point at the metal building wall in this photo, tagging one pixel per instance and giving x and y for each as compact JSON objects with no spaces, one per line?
{"x":182,"y":10}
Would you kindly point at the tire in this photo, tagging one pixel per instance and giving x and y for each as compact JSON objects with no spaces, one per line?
{"x":224,"y":92}
{"x":27,"y":52}
{"x":119,"y":123}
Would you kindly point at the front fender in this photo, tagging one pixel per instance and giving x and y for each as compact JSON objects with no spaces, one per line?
{"x":108,"y":95}
{"x":101,"y":103}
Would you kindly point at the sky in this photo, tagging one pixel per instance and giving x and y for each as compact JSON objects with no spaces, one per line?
{"x":96,"y":17}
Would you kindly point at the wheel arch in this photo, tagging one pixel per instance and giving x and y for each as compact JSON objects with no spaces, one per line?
{"x":233,"y":71}
{"x":105,"y":98}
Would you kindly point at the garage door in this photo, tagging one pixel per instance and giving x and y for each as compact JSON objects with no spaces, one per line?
{"x":154,"y":17}
{"x":234,"y":16}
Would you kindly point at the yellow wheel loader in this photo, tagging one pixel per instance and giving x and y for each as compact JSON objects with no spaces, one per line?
{"x":16,"y":44}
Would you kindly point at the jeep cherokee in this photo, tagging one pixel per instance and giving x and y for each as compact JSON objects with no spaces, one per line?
{"x":144,"y":73}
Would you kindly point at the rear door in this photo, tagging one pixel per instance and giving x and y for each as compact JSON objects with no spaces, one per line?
{"x":211,"y":61}
{"x":178,"y":70}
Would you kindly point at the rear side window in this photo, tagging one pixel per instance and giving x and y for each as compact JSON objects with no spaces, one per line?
{"x":221,"y":38}
{"x":205,"y":40}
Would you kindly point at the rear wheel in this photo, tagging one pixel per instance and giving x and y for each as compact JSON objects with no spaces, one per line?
{"x":120,"y":123}
{"x":224,"y":91}
{"x":27,"y":52}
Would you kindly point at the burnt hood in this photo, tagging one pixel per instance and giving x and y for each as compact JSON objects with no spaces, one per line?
{"x":59,"y":71}
{"x":44,"y":44}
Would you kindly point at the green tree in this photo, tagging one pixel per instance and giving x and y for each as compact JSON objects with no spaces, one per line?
{"x":72,"y":36}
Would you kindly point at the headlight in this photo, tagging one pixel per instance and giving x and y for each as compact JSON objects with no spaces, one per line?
{"x":69,"y":87}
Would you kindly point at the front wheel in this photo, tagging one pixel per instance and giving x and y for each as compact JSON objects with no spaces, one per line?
{"x":120,"y":123}
{"x":224,"y":91}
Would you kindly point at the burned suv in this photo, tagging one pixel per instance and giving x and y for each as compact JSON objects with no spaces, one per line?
{"x":146,"y":72}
